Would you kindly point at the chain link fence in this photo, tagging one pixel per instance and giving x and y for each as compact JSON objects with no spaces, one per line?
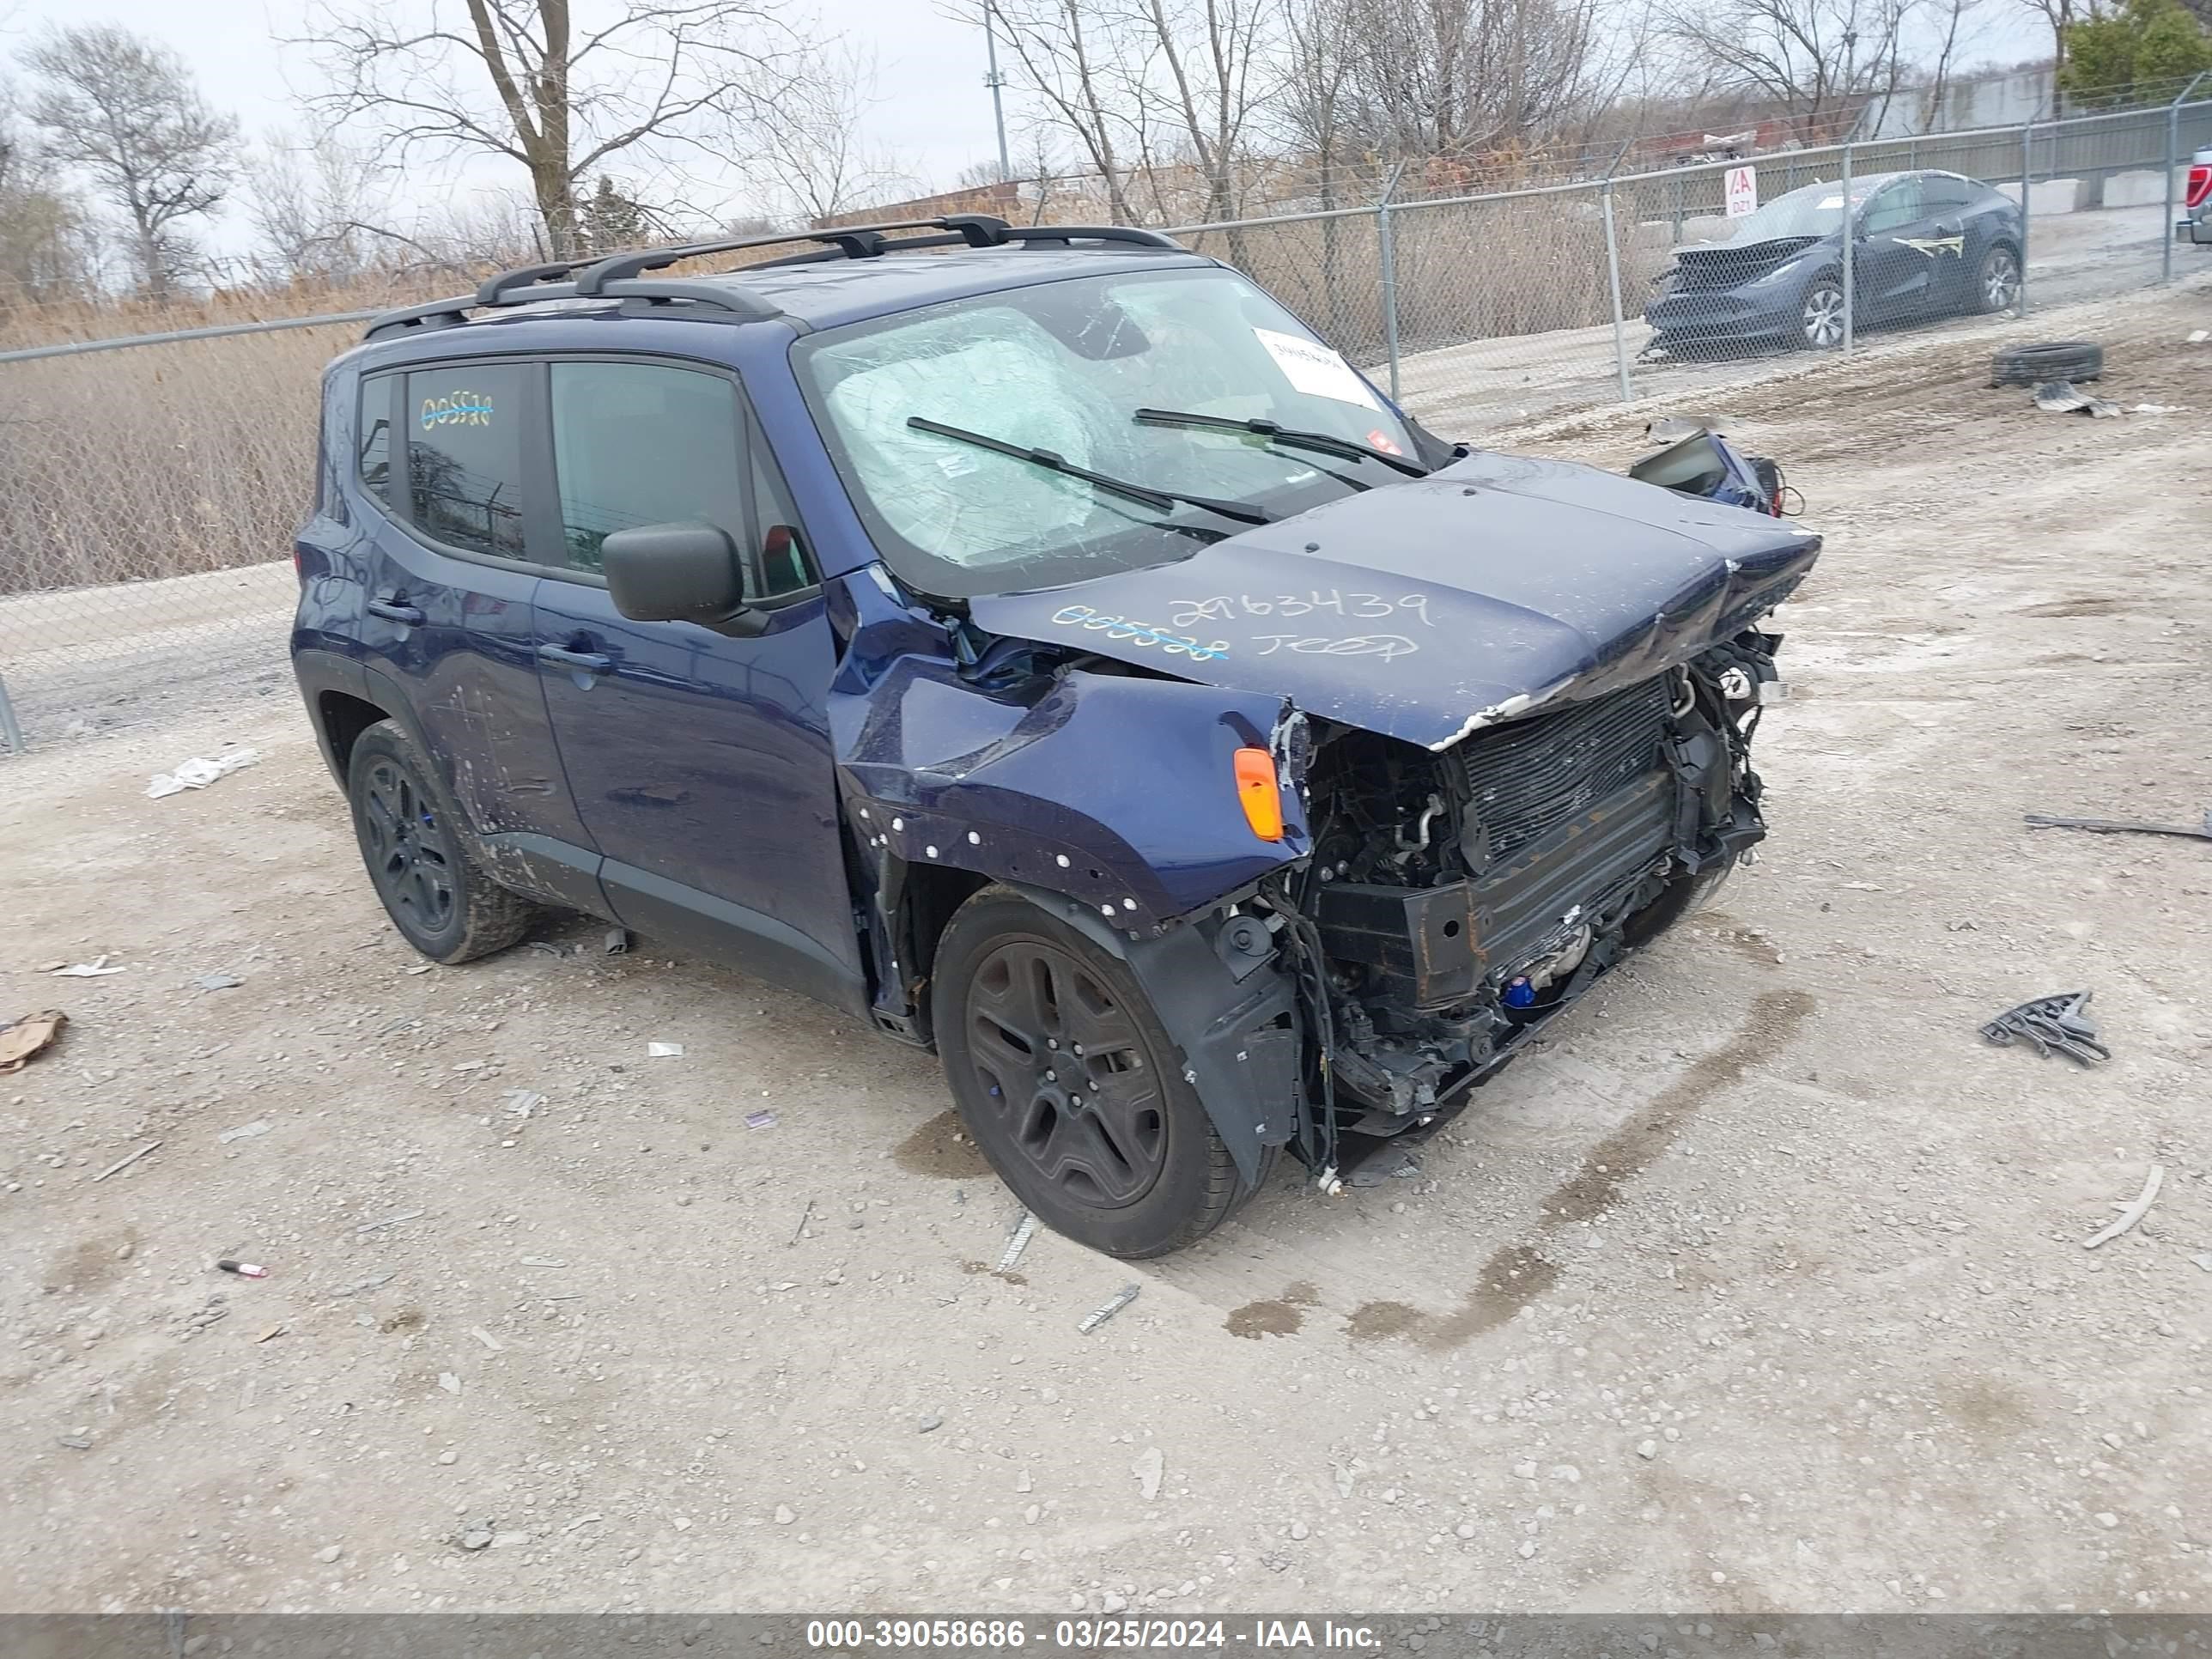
{"x":149,"y":487}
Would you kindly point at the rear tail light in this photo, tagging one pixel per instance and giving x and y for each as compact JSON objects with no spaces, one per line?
{"x":2200,"y":184}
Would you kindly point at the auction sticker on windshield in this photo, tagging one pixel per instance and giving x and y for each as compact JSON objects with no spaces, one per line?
{"x":1313,"y":368}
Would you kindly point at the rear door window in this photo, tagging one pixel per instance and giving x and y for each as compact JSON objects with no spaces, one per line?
{"x":465,"y":425}
{"x":1942,"y":193}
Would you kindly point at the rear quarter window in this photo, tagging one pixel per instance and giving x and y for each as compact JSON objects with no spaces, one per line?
{"x":373,"y":446}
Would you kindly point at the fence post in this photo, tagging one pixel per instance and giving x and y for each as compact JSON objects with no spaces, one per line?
{"x":1850,"y":242}
{"x":2027,"y":182}
{"x":2172,"y":161}
{"x":8,"y":729}
{"x":1612,"y":273}
{"x":1388,"y":243}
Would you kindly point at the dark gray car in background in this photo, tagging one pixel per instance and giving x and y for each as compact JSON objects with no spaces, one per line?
{"x":1925,"y":244}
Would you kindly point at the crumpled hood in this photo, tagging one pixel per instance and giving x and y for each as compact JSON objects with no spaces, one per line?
{"x":1427,"y":609}
{"x":1725,"y":264}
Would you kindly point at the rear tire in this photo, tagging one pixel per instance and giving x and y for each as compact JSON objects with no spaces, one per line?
{"x":1072,"y":1089}
{"x":1996,"y":281}
{"x":418,"y":854}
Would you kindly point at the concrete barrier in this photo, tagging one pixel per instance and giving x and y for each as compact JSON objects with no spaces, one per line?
{"x":2145,"y":189}
{"x":2048,"y":196}
{"x":1706,"y":227}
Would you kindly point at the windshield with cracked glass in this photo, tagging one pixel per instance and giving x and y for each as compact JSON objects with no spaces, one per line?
{"x":1065,"y":367}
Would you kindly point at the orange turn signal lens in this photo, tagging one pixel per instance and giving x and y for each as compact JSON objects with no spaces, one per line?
{"x":1259,"y":793}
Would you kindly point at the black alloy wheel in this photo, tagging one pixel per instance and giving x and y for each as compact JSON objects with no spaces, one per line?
{"x":410,"y":856}
{"x":1071,"y":1086}
{"x":1064,"y":1064}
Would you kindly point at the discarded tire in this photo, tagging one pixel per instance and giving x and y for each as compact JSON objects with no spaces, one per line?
{"x":2032,"y":365}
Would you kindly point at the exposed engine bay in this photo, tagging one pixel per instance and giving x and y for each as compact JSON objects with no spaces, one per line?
{"x":1453,"y":901}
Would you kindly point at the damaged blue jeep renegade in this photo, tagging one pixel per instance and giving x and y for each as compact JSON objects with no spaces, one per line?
{"x":1035,"y":642}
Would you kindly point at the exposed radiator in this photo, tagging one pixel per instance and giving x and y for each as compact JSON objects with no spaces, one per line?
{"x":1529,"y":777}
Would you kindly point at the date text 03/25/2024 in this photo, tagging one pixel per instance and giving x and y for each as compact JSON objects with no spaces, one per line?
{"x":1088,"y":1635}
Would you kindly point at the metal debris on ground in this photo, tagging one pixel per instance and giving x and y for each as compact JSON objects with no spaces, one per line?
{"x":799,"y":1231}
{"x":22,"y":1040}
{"x":198,"y":772}
{"x":243,"y":1269}
{"x":124,"y":1162}
{"x":2064,"y":397}
{"x":1106,"y":1310}
{"x":664,"y":1051}
{"x":523,"y":1102}
{"x":760,"y":1119}
{"x":617,"y":943}
{"x":2054,"y":1024}
{"x":260,"y":1127}
{"x":388,"y":1221}
{"x":75,"y":1442}
{"x":2123,"y":826}
{"x":93,"y":969}
{"x":1017,"y":1241}
{"x":218,"y":982}
{"x":2133,"y":1212}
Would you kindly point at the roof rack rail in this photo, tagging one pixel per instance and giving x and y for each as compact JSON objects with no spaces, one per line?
{"x":1134,"y":236}
{"x":851,"y":242}
{"x":622,"y":275}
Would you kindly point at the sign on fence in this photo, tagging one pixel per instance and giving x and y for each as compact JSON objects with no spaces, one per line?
{"x":1742,"y":192}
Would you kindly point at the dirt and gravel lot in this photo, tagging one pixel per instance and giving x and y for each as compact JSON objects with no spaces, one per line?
{"x":1760,"y":1287}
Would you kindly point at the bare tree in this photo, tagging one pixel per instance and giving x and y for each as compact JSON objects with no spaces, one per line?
{"x":42,"y":252}
{"x":316,"y":210}
{"x":1313,"y":119}
{"x":815,"y":151}
{"x":1203,"y":67}
{"x":521,"y":79}
{"x":1067,"y":52}
{"x":1957,"y":27}
{"x":122,"y":111}
{"x":1814,"y":59}
{"x":1448,"y":78}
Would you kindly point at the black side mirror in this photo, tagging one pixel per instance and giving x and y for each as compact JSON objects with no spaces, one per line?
{"x":684,"y":572}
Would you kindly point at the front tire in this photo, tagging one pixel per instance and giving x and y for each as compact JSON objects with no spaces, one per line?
{"x":419,"y":859}
{"x":1820,"y":314}
{"x":1072,"y":1089}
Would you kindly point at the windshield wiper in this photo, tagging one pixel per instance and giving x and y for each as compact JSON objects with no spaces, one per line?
{"x":1160,"y":501}
{"x":1324,"y":443}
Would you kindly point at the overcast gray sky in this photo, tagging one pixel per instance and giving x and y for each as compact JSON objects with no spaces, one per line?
{"x":933,"y":117}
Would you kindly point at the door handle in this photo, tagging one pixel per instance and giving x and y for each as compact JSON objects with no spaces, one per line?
{"x":395,"y":611}
{"x":593,"y":662}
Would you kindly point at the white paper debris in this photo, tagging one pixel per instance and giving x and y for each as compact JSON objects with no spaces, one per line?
{"x":92,"y":969}
{"x":664,"y":1051}
{"x":260,"y":1126}
{"x":198,"y":772}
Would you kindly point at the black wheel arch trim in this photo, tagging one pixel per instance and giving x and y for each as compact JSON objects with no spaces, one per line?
{"x":317,"y":671}
{"x":1242,"y":1040}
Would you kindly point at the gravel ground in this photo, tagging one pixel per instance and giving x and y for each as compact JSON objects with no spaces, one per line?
{"x":1760,"y":1287}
